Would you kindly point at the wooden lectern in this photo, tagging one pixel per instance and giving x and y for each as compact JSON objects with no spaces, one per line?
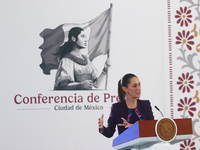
{"x":143,"y":135}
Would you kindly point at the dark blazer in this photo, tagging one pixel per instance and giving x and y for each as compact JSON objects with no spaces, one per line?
{"x":120,"y":109}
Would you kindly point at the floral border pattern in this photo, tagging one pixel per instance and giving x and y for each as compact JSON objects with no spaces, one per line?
{"x":187,"y":39}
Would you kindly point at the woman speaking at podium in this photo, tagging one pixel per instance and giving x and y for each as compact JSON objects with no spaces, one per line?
{"x":129,"y":110}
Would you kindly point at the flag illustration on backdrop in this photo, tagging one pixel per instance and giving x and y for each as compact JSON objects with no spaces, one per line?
{"x":97,"y":31}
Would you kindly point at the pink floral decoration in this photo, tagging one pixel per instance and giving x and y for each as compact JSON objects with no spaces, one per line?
{"x":184,"y":16}
{"x":187,"y":145}
{"x":185,"y":38}
{"x":187,"y":105}
{"x":185,"y":82}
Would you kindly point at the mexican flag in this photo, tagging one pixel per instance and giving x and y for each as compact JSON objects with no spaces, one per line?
{"x":97,"y":32}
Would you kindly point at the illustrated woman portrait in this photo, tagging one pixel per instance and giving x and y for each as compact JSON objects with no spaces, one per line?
{"x":75,"y":70}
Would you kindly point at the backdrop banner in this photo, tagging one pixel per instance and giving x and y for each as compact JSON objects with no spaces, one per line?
{"x":156,"y":40}
{"x":182,"y":47}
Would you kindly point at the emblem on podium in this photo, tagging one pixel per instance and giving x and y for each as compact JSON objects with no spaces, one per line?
{"x":166,"y":129}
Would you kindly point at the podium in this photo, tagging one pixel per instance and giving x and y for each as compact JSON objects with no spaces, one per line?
{"x":144,"y":135}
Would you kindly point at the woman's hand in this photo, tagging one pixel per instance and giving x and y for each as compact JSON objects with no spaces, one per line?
{"x":101,"y":123}
{"x":87,"y":84}
{"x":125,"y":123}
{"x":107,"y":63}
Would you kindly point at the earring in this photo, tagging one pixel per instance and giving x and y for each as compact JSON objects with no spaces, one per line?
{"x":73,"y":39}
{"x":126,"y":95}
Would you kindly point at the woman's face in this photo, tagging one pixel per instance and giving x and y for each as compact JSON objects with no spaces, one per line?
{"x":133,"y":88}
{"x":81,"y":40}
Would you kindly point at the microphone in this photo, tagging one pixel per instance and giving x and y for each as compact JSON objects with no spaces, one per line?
{"x":159,"y":110}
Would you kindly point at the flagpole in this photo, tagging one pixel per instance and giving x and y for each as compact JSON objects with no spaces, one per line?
{"x":109,"y":37}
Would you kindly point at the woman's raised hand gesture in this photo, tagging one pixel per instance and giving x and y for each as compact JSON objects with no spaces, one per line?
{"x":101,"y":123}
{"x":125,"y":123}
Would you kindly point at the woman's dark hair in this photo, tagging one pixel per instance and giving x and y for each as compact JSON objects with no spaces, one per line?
{"x":67,"y":47}
{"x":124,"y":82}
